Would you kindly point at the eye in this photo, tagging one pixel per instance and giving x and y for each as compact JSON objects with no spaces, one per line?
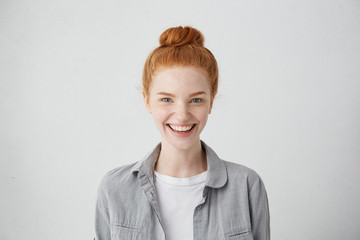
{"x":196,"y":100}
{"x":166,"y":100}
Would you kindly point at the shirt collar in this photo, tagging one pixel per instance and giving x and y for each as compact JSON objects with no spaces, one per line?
{"x":216,"y":175}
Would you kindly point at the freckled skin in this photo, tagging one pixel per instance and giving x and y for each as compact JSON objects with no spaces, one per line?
{"x":170,"y":102}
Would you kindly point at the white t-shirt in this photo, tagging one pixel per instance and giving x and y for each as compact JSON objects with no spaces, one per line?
{"x":178,"y":198}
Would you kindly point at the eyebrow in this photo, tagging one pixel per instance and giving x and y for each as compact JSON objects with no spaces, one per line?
{"x":172,"y":95}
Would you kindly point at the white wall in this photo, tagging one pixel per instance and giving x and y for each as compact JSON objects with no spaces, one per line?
{"x":70,"y":108}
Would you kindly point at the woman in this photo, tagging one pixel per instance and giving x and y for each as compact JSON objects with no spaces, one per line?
{"x":182,"y":189}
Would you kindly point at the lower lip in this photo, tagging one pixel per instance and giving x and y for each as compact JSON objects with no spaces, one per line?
{"x":181,"y":134}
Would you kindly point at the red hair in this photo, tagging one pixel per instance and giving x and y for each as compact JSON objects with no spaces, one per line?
{"x":182,"y":46}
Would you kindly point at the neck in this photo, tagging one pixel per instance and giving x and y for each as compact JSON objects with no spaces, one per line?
{"x":181,"y":163}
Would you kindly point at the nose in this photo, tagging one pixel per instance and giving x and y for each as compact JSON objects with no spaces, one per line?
{"x":182,"y":112}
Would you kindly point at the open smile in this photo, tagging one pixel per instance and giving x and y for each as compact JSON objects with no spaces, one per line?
{"x":181,"y":130}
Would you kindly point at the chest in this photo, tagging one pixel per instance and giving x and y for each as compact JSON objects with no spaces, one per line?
{"x":218,"y":215}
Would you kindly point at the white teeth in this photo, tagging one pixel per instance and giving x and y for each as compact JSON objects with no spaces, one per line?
{"x":181,"y":129}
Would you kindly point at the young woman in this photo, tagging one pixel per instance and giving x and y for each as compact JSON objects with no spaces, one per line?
{"x":182,"y":190}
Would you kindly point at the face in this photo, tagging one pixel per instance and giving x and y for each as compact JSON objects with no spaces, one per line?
{"x":179,"y":100}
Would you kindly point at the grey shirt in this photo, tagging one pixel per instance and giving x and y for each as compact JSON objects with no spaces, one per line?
{"x":234,"y":203}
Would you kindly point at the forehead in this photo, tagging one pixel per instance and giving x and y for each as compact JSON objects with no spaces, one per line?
{"x":180,"y":79}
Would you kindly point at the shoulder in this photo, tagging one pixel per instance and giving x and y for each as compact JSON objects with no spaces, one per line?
{"x":240,"y":174}
{"x":118,"y":176}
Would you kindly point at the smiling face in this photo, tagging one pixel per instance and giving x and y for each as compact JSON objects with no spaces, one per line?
{"x":179,"y":100}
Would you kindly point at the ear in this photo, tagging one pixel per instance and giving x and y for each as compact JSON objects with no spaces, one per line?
{"x":146,"y":101}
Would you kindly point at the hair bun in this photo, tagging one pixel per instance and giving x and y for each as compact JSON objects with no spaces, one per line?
{"x":179,"y":36}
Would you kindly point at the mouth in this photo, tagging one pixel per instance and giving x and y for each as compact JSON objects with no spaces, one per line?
{"x":181,"y":128}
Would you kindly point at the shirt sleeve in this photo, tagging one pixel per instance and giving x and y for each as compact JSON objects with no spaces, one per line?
{"x":102,"y":218}
{"x":259,"y":211}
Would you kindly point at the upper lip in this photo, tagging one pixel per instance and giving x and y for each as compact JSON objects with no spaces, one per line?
{"x":182,"y":125}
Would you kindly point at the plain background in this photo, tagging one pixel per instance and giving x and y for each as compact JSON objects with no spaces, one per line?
{"x":71,"y":107}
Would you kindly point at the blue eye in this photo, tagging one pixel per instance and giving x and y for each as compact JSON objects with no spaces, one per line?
{"x":166,"y":99}
{"x":196,"y":100}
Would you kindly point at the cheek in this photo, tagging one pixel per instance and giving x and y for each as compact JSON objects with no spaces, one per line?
{"x":204,"y":119}
{"x":202,"y":115}
{"x":160,"y":115}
